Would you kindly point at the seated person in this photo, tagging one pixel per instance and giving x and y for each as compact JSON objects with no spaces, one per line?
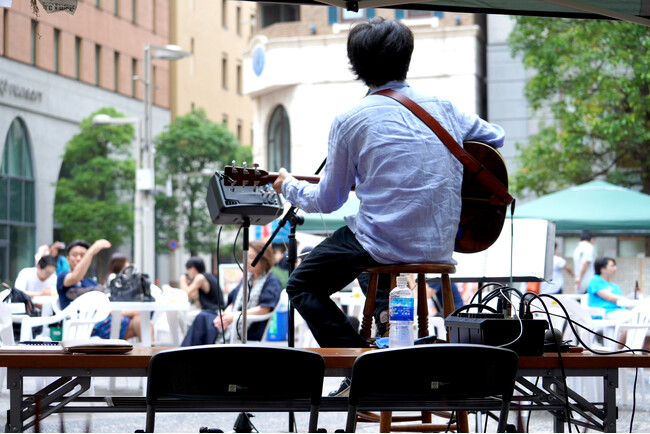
{"x":263,"y":295}
{"x":201,"y":287}
{"x":434,"y":292}
{"x":39,"y":280}
{"x":71,"y":284}
{"x":603,"y":292}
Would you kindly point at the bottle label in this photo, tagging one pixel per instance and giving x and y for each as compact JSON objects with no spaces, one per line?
{"x":401,"y":309}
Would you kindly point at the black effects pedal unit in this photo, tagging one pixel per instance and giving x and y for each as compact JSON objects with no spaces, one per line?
{"x":494,"y":330}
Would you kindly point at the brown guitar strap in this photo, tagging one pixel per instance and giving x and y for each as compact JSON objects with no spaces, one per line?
{"x":501,"y":195}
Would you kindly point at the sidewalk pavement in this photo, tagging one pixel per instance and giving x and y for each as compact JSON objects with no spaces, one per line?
{"x":540,"y":422}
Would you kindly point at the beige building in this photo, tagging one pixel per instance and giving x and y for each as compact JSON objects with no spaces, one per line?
{"x":217,"y":33}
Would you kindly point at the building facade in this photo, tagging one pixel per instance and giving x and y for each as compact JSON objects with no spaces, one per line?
{"x":55,"y":70}
{"x":217,"y":34}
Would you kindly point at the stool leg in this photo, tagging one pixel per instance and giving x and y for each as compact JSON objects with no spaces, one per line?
{"x":447,"y":296}
{"x":385,"y":421}
{"x":369,"y":307}
{"x":423,"y":308}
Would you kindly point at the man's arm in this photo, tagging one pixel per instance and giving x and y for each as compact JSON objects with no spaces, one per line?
{"x":607,"y":294}
{"x":583,"y":269}
{"x":199,"y":283}
{"x":74,"y":292}
{"x":21,"y":281}
{"x":75,"y":276}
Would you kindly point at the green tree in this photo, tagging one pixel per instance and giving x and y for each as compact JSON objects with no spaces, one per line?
{"x":592,"y":79}
{"x":94,"y":193}
{"x":191,"y":146}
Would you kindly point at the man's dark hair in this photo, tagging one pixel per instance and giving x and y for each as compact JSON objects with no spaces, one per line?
{"x":600,"y":263}
{"x":379,"y":51}
{"x":75,"y":243}
{"x":46,"y":260}
{"x":196,"y":262}
{"x":586,"y":236}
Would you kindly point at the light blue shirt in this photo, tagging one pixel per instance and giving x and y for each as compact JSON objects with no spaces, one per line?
{"x":597,"y":283}
{"x":406,"y":179}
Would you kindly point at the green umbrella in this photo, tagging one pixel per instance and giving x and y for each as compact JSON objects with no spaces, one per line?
{"x":596,"y":206}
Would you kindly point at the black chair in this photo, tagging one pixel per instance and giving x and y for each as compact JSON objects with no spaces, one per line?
{"x":235,"y":378}
{"x":433,"y":378}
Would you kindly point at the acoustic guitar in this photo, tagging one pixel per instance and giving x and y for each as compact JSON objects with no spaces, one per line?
{"x":481,"y":217}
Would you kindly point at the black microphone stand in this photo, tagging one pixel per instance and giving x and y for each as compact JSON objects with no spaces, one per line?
{"x":294,"y":220}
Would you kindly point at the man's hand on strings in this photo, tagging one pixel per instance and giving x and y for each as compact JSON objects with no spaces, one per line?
{"x":282,"y":175}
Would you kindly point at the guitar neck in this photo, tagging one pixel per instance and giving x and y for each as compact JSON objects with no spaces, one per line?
{"x":312,"y":179}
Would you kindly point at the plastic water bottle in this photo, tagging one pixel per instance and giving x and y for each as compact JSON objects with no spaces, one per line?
{"x":401,"y":307}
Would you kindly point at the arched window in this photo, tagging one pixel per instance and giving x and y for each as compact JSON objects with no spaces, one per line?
{"x":279,"y":140}
{"x":17,"y":203}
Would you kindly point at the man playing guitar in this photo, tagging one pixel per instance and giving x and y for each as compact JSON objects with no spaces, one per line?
{"x":408,"y":182}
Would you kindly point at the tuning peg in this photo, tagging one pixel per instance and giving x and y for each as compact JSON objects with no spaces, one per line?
{"x":256,"y":167}
{"x":234,"y":166}
{"x":245,"y":165}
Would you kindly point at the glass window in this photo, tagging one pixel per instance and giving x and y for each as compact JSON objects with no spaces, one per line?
{"x":279,"y":13}
{"x":224,"y":71}
{"x":57,"y":49}
{"x":17,"y":203}
{"x":77,"y":57}
{"x":279,"y":140}
{"x":238,"y":20}
{"x":34,"y":42}
{"x":15,"y":200}
{"x":4,"y":208}
{"x":98,"y":63}
{"x":224,"y":14}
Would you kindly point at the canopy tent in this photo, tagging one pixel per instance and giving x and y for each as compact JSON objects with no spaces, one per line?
{"x":637,"y":11}
{"x":596,"y":206}
{"x":328,"y":223}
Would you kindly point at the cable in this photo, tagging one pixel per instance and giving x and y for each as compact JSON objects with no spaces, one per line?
{"x":220,"y":307}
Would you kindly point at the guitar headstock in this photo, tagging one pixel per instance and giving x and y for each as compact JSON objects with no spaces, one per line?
{"x":243,"y":175}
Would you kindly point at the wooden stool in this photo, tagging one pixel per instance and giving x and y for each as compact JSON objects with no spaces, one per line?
{"x":385,"y":418}
{"x":423,"y":309}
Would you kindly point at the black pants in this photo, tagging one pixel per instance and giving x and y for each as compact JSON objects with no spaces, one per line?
{"x":332,"y":265}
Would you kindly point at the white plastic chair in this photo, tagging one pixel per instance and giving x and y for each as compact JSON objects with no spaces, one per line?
{"x":586,"y":386}
{"x":636,"y":331}
{"x":250,"y":319}
{"x":78,"y":318}
{"x":6,"y":336}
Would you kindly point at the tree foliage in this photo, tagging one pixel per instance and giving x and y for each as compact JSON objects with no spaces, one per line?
{"x":191,"y":146}
{"x":592,"y":82}
{"x":94,"y":193}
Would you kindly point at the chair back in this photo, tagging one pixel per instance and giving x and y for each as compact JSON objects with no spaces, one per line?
{"x":235,"y":378}
{"x":433,"y":377}
{"x":6,"y":325}
{"x":83,"y":313}
{"x":251,"y":319}
{"x":639,"y":325}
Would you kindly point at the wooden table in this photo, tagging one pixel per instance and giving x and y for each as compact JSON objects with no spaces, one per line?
{"x":76,"y":370}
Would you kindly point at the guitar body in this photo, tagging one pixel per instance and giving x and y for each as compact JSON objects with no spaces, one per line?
{"x":481,"y":217}
{"x":481,"y":220}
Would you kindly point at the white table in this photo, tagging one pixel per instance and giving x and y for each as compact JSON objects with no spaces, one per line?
{"x":171,"y":308}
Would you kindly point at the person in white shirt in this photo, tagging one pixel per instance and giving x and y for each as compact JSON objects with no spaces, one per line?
{"x":556,"y":285}
{"x":39,"y":280}
{"x":583,"y":262}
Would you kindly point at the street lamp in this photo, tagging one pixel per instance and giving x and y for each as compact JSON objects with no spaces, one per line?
{"x":146,"y":169}
{"x":138,"y":245}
